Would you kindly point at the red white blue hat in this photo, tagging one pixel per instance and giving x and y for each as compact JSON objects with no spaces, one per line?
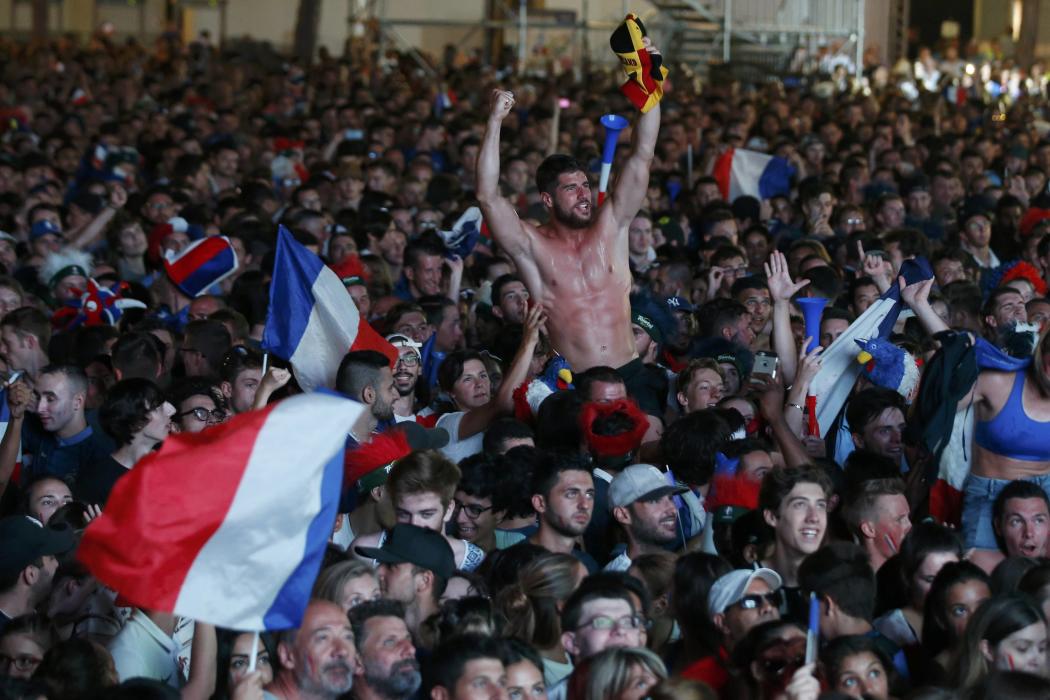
{"x":201,"y":264}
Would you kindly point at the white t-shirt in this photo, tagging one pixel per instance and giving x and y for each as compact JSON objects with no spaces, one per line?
{"x":142,"y":650}
{"x":620,"y":563}
{"x":457,"y":449}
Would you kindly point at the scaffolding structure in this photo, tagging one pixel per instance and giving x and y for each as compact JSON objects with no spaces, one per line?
{"x":700,"y":33}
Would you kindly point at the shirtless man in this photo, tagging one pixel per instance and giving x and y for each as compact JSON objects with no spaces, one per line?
{"x":576,"y":265}
{"x":1012,"y":422}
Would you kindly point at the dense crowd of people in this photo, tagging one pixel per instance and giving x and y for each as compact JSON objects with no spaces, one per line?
{"x":594,"y":470}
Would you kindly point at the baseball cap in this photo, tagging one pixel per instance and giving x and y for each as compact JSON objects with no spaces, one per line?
{"x":680,"y":304}
{"x":420,"y":438}
{"x":427,"y":549}
{"x":640,"y":482}
{"x":399,"y":340}
{"x":646,"y":324}
{"x":43,"y":228}
{"x":23,"y":541}
{"x":732,"y":587}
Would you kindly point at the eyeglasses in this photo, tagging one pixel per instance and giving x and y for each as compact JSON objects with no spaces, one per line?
{"x":202,"y":414}
{"x":473,"y":510}
{"x":22,"y":662}
{"x":408,"y":360}
{"x":603,"y":623}
{"x":754,"y":601}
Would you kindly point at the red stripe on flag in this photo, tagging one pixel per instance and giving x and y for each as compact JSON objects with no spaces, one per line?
{"x":161,"y":514}
{"x":195,"y":258}
{"x":723,"y":172}
{"x":368,"y":339}
{"x":946,"y":503}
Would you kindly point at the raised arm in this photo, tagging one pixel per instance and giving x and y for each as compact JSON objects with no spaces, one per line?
{"x":917,"y":297}
{"x":500,"y":216}
{"x":478,"y":419}
{"x":781,"y":288}
{"x":628,"y":193}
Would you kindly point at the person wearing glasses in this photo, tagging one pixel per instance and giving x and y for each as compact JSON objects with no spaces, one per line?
{"x":203,"y":348}
{"x":599,"y":615}
{"x":198,"y":403}
{"x":406,"y":375}
{"x":480,"y":504}
{"x":738,"y":602}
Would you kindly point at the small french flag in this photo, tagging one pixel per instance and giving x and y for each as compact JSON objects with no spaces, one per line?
{"x":228,"y":526}
{"x":312,"y":320}
{"x":740,"y":172}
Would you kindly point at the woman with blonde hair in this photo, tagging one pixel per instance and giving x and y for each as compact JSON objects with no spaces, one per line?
{"x":619,"y":673}
{"x":532,"y":608}
{"x":347,"y":584}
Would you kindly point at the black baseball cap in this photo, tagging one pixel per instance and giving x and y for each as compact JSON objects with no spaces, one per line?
{"x":427,"y":549}
{"x":420,"y":438}
{"x":23,"y":541}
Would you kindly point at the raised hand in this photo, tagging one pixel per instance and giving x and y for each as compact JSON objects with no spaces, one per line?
{"x":534,"y":323}
{"x":502,"y":103}
{"x":781,"y":288}
{"x":18,"y":397}
{"x":917,"y":294}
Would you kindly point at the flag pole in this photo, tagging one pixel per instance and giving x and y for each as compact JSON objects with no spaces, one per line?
{"x":266,"y":362}
{"x":253,"y":657}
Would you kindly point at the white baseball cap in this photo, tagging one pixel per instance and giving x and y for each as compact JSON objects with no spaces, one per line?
{"x":732,"y":587}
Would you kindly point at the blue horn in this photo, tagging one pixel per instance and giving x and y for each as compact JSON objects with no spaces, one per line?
{"x":613,"y":124}
{"x":812,"y":310}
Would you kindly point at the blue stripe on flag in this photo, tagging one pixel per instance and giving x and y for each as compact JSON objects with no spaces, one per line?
{"x":776,"y":178}
{"x":204,"y":276}
{"x":290,"y":603}
{"x":291,"y":297}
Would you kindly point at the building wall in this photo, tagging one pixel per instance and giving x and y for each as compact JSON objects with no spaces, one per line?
{"x":274,"y":21}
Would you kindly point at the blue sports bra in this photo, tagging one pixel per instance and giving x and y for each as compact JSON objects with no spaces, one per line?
{"x":1012,"y":433}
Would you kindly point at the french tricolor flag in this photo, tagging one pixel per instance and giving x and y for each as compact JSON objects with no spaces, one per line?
{"x":312,"y":321}
{"x":228,"y":526}
{"x":740,"y":172}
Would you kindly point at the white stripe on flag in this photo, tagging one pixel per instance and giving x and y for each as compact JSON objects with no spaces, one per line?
{"x":838,"y":363}
{"x":328,"y":335}
{"x":746,"y":172}
{"x":239,"y":571}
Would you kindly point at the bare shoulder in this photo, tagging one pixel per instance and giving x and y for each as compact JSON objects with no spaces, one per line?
{"x":993,"y":385}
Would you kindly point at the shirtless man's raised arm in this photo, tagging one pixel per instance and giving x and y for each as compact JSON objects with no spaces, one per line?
{"x":503,"y":221}
{"x":630,"y":188}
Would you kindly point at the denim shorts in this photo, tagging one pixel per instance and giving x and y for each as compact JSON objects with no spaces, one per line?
{"x":979,"y":494}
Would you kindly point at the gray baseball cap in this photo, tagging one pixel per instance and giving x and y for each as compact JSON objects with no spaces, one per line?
{"x":640,"y":482}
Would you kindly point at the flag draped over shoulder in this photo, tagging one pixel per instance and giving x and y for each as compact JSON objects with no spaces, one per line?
{"x":228,"y":526}
{"x":312,"y":320}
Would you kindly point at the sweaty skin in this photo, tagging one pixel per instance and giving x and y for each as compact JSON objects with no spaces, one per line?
{"x":581,"y":275}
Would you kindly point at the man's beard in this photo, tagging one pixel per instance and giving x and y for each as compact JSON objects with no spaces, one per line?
{"x":402,"y":681}
{"x":567,"y":527}
{"x":570,"y":219}
{"x":322,"y":684}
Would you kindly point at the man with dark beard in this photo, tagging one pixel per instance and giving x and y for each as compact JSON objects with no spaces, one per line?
{"x":388,"y":668}
{"x":642,"y":502}
{"x":406,"y":374}
{"x":576,"y":265}
{"x":365,"y":376}
{"x":563,"y":497}
{"x":317,"y":659}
